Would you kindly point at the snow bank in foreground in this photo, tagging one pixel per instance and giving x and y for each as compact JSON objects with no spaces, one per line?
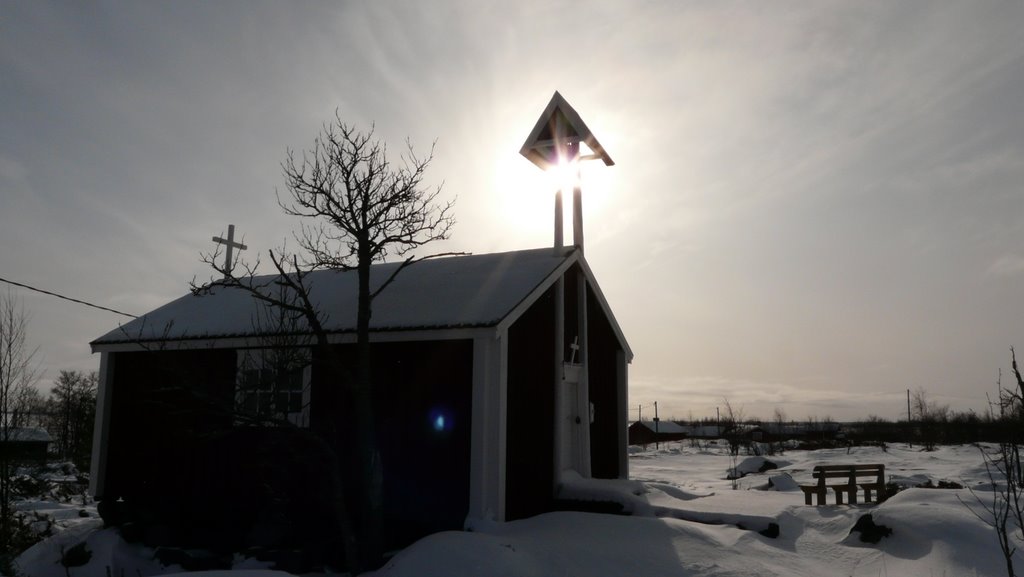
{"x":933,"y":532}
{"x":933,"y":528}
{"x":560,"y":544}
{"x":108,"y":552}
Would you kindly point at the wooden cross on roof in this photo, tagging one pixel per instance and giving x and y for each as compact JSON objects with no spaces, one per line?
{"x":231,"y":244}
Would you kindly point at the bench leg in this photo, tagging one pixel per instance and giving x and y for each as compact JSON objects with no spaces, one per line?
{"x":853,"y":496}
{"x":823,"y":497}
{"x":839,"y":497}
{"x":807,"y":498}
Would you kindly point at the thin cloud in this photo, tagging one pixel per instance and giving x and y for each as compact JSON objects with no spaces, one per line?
{"x":821,"y":181}
{"x":1008,"y":265}
{"x":701,"y":396}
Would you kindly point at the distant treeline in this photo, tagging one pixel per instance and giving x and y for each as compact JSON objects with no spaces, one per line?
{"x":67,"y":414}
{"x":944,"y":428}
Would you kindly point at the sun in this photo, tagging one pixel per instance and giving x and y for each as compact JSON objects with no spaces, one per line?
{"x":526,"y":195}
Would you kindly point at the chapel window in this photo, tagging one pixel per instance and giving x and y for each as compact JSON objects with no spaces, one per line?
{"x":272,"y":387}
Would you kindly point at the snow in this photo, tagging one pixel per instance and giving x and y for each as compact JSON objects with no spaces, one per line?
{"x":703,"y":431}
{"x":687,"y":520}
{"x":934,"y":533}
{"x":663,"y":427}
{"x":462,"y":291}
{"x":24,"y":434}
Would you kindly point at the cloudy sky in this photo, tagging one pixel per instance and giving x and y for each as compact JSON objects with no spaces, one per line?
{"x":815,"y":206}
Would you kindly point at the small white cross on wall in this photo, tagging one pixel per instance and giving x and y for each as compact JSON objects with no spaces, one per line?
{"x":575,"y":346}
{"x":231,"y":244}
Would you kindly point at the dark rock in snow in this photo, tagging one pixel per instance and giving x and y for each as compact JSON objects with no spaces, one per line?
{"x":76,"y":556}
{"x":606,"y":507}
{"x":157,"y":534}
{"x":111,"y":512}
{"x":191,"y":560}
{"x":131,"y":532}
{"x":869,"y":531}
{"x":287,"y":560}
{"x":771,"y":532}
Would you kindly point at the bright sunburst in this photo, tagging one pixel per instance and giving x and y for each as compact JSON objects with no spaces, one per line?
{"x":526,"y":195}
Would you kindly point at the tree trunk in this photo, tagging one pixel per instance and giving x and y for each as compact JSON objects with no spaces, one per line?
{"x":371,"y":469}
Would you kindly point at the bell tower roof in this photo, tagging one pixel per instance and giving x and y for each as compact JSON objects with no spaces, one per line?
{"x":557,"y":134}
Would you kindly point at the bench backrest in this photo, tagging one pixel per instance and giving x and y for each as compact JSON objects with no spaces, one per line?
{"x":822,"y":472}
{"x":848,"y":467}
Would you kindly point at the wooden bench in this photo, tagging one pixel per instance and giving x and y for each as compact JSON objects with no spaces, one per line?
{"x":851,"y":474}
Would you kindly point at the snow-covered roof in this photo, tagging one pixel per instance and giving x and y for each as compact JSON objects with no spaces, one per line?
{"x":703,"y":430}
{"x":663,"y":427}
{"x":443,"y":293}
{"x":28,"y":434}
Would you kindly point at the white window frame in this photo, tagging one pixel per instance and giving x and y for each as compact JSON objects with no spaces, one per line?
{"x":257,"y":359}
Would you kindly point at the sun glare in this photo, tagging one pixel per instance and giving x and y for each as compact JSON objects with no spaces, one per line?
{"x":526,"y":196}
{"x":565,"y":176}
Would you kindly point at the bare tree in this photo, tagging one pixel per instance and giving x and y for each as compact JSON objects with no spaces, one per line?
{"x":358,"y":208}
{"x":1005,"y":508}
{"x":732,"y":430}
{"x":28,"y":408}
{"x":72,"y":410}
{"x":732,"y":426}
{"x":18,"y":372}
{"x":931,"y":418}
{"x":780,"y":433}
{"x":925,"y":409}
{"x":272,"y":389}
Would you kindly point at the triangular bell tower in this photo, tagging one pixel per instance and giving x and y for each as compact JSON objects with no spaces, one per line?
{"x":555,"y":141}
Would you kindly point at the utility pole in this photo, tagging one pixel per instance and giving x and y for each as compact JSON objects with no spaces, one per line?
{"x":999,"y":394}
{"x":656,"y":432}
{"x":910,"y":432}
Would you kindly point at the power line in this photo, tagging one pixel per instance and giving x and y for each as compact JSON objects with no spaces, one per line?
{"x":641,"y":407}
{"x":53,"y":294}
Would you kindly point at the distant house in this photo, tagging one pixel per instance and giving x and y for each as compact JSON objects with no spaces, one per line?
{"x":25,"y":444}
{"x":478,"y":404}
{"x":818,"y":430}
{"x":649,"y":432}
{"x":759,"y":434}
{"x":703,"y":431}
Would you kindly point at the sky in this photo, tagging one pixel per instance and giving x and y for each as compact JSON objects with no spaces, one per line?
{"x":814,"y":206}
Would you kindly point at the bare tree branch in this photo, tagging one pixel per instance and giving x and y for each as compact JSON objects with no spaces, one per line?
{"x":356,"y":208}
{"x":18,"y":372}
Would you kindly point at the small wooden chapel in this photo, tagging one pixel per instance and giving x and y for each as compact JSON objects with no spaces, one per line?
{"x":493,"y":375}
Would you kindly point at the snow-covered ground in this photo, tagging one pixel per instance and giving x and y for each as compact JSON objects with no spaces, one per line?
{"x":53,"y":497}
{"x":687,"y":521}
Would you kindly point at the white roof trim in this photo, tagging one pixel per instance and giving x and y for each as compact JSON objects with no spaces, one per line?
{"x":592,"y":280}
{"x":257,"y":342}
{"x":575,"y":257}
{"x":535,"y":294}
{"x":493,"y":293}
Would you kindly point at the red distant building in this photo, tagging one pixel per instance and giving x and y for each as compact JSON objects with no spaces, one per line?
{"x":649,"y":432}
